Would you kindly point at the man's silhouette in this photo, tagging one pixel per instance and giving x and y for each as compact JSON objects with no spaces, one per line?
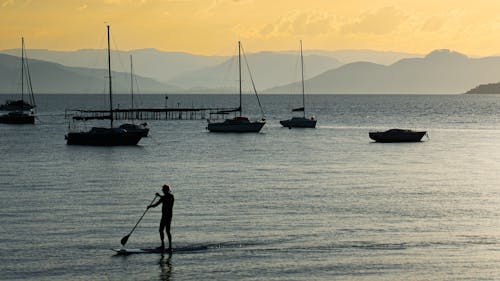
{"x":167,"y":201}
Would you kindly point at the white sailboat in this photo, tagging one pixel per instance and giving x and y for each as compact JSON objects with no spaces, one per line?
{"x":237,"y":124}
{"x":300,"y":121}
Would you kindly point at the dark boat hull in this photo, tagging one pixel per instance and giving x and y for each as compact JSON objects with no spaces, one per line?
{"x":103,"y":137}
{"x":397,"y":135}
{"x":299,"y":122}
{"x":17,"y":119}
{"x":252,"y":127}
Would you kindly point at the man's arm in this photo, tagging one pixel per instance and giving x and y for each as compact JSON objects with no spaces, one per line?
{"x":157,"y":202}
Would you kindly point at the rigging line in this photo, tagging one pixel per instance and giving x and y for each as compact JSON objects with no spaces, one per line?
{"x":118,"y":54}
{"x":229,"y":74}
{"x":294,"y":85}
{"x":95,"y":68}
{"x":30,"y":85}
{"x":253,"y":84}
{"x":138,"y":96}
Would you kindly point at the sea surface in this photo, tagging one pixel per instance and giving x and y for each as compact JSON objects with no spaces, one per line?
{"x":299,"y":204}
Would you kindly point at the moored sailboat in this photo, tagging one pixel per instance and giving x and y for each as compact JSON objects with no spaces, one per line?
{"x":397,"y":135}
{"x":237,"y":124}
{"x":111,"y":136}
{"x":17,"y":108}
{"x":300,"y":121}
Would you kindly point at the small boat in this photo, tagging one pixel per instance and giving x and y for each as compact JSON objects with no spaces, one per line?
{"x":397,"y":135}
{"x":17,"y":108}
{"x":237,"y":124}
{"x":300,"y":122}
{"x":106,"y":136}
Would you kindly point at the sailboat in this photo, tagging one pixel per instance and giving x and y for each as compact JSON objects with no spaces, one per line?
{"x":132,"y":127}
{"x":238,"y":124}
{"x":99,"y":136}
{"x":302,"y":121}
{"x":17,"y":108}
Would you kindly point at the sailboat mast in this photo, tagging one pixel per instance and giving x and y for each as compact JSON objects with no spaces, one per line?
{"x":239,"y":70}
{"x":110,"y":87}
{"x":132,"y":81}
{"x":302,"y":72}
{"x":22,"y":73}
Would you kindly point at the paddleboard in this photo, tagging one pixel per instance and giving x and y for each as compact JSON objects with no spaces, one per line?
{"x":120,"y":251}
{"x":139,"y":251}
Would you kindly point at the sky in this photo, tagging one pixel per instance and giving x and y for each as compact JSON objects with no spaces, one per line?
{"x":212,"y":27}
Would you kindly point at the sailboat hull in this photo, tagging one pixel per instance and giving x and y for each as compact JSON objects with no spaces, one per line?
{"x":235,"y":126}
{"x":397,"y":135}
{"x":299,"y":122}
{"x":103,"y":137}
{"x":17,"y":118}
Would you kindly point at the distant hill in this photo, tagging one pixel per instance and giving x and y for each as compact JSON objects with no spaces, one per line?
{"x":268,"y":69}
{"x":50,"y":77}
{"x":378,"y":57}
{"x":184,"y":69}
{"x":161,"y":66}
{"x":490,"y":88}
{"x":440,"y":72}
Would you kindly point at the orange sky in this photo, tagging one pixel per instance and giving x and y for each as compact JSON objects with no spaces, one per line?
{"x":212,"y":27}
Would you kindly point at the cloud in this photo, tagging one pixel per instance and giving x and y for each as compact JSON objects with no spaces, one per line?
{"x":20,"y":3}
{"x":294,"y":23}
{"x":216,"y":4}
{"x":7,"y":3}
{"x":381,"y":21}
{"x":434,"y":23}
{"x":82,"y":7}
{"x":116,"y":2}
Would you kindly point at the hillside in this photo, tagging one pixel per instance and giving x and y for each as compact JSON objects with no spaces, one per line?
{"x":489,"y":89}
{"x":440,"y":72}
{"x":50,"y":77}
{"x":268,"y":69}
{"x":151,"y":63}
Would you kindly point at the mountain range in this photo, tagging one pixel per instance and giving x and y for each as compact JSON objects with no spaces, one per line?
{"x":84,"y":71}
{"x":440,"y":72}
{"x":48,"y":77}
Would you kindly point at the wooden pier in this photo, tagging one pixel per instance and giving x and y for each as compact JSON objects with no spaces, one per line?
{"x":190,"y":113}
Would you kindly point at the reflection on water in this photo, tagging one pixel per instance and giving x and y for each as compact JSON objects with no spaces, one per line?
{"x":166,"y":269}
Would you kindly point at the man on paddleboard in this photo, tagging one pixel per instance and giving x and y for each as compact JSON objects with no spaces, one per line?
{"x":167,"y":201}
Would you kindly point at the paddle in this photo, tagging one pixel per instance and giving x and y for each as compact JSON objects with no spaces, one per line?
{"x":125,"y":238}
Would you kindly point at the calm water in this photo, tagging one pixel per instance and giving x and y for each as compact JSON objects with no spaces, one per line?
{"x":324,"y":204}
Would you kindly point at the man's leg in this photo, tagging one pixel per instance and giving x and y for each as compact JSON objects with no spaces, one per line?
{"x":167,"y":229}
{"x":162,"y":235}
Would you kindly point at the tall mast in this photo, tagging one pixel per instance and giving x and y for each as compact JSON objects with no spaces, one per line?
{"x":22,"y":73}
{"x":132,"y":81}
{"x":110,"y":87}
{"x":303,"y":91}
{"x":239,"y":69}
